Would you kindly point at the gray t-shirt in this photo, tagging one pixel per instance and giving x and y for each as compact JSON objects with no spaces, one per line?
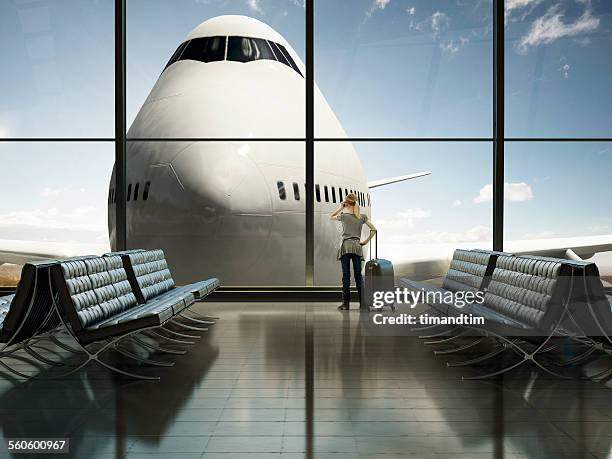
{"x":351,"y":225}
{"x":351,"y":234}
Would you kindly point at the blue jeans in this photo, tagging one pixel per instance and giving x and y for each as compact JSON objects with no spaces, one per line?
{"x":345,"y":261}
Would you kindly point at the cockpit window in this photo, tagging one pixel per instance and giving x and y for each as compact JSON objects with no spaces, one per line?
{"x":239,"y":49}
{"x":205,"y":49}
{"x":289,"y":59}
{"x":244,"y":49}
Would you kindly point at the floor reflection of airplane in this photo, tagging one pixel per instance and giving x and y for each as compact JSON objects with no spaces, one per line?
{"x":235,"y":209}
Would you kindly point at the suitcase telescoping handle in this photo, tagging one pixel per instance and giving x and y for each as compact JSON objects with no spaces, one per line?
{"x":375,"y":246}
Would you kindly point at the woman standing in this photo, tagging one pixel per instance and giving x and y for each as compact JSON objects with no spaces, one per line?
{"x":351,"y":247}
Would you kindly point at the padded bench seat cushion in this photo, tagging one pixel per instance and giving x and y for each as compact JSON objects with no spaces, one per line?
{"x":203,"y":288}
{"x":5,"y":304}
{"x":528,"y":290}
{"x":159,"y":310}
{"x":413,"y":285}
{"x":467,"y":271}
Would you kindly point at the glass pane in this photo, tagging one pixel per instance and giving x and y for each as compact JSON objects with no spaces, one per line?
{"x":222,"y":209}
{"x":59,"y":196}
{"x":557,"y":196}
{"x":418,"y":69}
{"x":420,"y":221}
{"x":557,"y":69}
{"x":57,"y":76}
{"x":209,"y":91}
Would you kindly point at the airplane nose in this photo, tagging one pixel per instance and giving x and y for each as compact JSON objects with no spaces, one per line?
{"x":222,"y":179}
{"x":231,"y":207}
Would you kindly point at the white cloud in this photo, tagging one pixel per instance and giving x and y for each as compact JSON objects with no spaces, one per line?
{"x":411,"y":11}
{"x":48,"y":192}
{"x":300,"y":3}
{"x":378,"y":5}
{"x":404,"y":220}
{"x":255,"y":5}
{"x":457,"y":203}
{"x":599,"y":228}
{"x":439,"y":22}
{"x":540,"y":235}
{"x":478,"y":233}
{"x":449,"y":46}
{"x":512,"y":5}
{"x":88,"y":218}
{"x":551,"y":27}
{"x":513,"y":192}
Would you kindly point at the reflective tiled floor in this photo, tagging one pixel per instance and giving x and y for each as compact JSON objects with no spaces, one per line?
{"x":299,"y":381}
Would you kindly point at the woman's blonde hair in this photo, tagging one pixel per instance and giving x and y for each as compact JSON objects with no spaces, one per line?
{"x":351,"y":200}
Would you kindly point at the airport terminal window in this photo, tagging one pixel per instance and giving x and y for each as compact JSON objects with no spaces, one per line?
{"x":281,"y":190}
{"x":296,"y":191}
{"x":318,"y":193}
{"x":206,"y":49}
{"x":145,"y":193}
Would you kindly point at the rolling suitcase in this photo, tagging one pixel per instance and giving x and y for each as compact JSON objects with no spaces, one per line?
{"x":379,"y":276}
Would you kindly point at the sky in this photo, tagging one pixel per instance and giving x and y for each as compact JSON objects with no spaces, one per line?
{"x":400,"y":68}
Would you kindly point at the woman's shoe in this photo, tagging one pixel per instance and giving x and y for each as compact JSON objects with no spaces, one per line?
{"x":343,"y":307}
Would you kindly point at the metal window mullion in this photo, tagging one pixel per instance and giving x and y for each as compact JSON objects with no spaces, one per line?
{"x":498,"y":124}
{"x":309,"y":211}
{"x":120,"y":127}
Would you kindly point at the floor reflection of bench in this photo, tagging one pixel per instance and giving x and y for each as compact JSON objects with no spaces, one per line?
{"x":106,"y":300}
{"x":528,"y":301}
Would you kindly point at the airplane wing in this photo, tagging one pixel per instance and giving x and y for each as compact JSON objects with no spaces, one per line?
{"x":401,"y":178}
{"x":429,"y":261}
{"x":20,"y":252}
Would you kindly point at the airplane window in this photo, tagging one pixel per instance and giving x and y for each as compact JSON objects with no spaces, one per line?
{"x":205,"y":49}
{"x":326,"y":193}
{"x":369,"y":205}
{"x":177,"y":54}
{"x":340,"y":194}
{"x":145,"y":193}
{"x":296,"y":191}
{"x":283,"y":56}
{"x":333,"y":194}
{"x":346,"y":192}
{"x":281,"y":190}
{"x":129,"y":192}
{"x":136,"y":191}
{"x":318,"y":193}
{"x":244,"y":49}
{"x":288,"y":57}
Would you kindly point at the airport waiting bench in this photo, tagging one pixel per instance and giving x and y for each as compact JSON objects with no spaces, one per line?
{"x":104,"y":299}
{"x":532,"y":297}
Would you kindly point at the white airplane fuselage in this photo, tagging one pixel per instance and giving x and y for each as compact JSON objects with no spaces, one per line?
{"x":215,"y":206}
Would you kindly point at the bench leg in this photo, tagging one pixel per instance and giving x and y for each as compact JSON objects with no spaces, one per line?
{"x":64,"y":346}
{"x":460,"y":348}
{"x":482,"y":358}
{"x":41,"y":358}
{"x":447,"y":340}
{"x":187,"y":327}
{"x":437,"y":335}
{"x":131,"y":355}
{"x":172,"y":340}
{"x":197,"y":321}
{"x":156,"y":348}
{"x":15,"y":372}
{"x":181,"y":335}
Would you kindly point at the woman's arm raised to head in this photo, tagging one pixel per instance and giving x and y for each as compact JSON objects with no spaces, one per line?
{"x":334,"y":215}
